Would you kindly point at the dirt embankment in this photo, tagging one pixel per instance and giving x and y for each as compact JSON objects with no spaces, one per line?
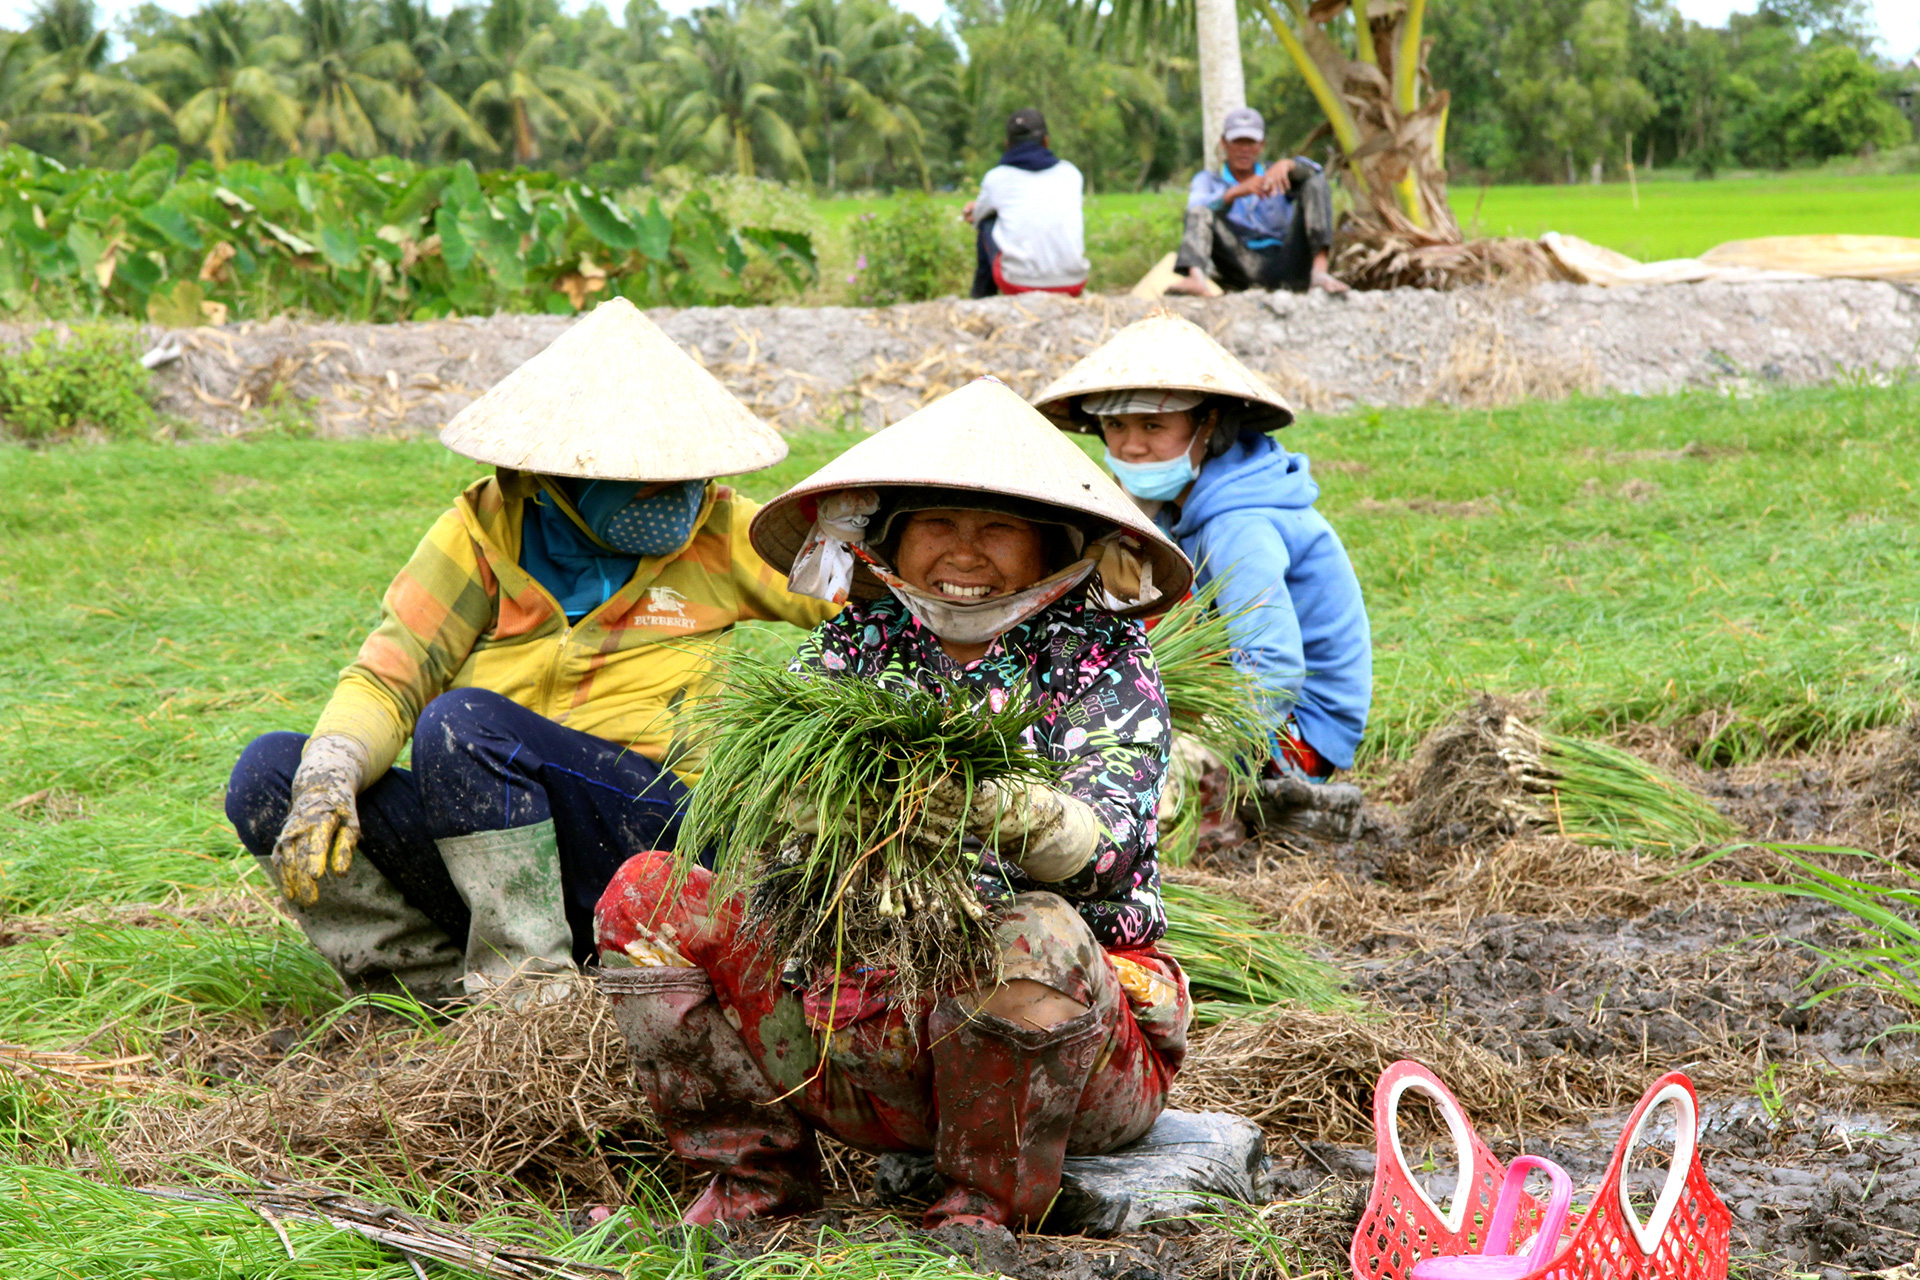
{"x":796,"y":365}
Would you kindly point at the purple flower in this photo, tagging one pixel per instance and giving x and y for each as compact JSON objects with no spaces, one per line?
{"x":860,"y":263}
{"x":850,"y":279}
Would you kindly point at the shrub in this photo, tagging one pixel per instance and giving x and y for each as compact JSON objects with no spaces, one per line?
{"x":67,"y":380}
{"x":915,"y":250}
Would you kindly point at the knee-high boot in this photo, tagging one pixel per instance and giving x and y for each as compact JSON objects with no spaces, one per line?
{"x":718,"y":1109}
{"x":511,"y":882}
{"x":374,"y":938}
{"x":1006,"y":1097}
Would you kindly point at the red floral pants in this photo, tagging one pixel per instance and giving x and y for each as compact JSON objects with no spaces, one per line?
{"x":854,"y":1066}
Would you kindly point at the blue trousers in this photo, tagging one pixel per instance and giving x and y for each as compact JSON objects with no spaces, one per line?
{"x":482,"y":763}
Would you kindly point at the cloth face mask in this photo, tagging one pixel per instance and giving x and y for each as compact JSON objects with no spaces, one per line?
{"x":651,"y":526}
{"x":1154,"y":481}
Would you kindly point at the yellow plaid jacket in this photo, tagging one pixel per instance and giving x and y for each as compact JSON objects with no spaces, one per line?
{"x":463,"y":613}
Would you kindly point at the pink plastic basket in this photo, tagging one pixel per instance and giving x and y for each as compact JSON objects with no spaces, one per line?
{"x":1685,"y":1237}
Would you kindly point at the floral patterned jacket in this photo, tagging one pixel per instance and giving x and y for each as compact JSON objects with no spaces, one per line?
{"x":1106,"y":722}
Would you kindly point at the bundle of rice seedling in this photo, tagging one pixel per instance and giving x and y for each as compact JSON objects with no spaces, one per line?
{"x":1237,"y":966}
{"x":1207,"y":695}
{"x":1487,"y":772}
{"x":1219,"y":706}
{"x":876,"y":888}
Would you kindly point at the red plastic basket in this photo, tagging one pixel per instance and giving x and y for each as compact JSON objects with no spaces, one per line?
{"x":1402,"y":1224}
{"x":1685,"y":1237}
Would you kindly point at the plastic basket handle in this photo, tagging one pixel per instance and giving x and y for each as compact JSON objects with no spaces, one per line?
{"x":1553,"y":1222}
{"x":1686,"y":1138}
{"x":1462,"y":1145}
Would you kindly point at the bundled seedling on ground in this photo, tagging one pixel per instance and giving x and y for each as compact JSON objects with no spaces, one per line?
{"x":876,"y":887}
{"x":1211,"y":700}
{"x":1237,"y":966}
{"x":1487,"y":772}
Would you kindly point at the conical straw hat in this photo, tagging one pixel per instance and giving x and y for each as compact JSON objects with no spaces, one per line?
{"x":1164,"y":351}
{"x":984,"y":438}
{"x":614,"y":399}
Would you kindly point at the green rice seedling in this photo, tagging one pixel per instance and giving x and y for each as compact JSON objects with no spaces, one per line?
{"x":125,"y":988}
{"x":1888,"y":913}
{"x":1602,"y":795}
{"x":1237,"y":966}
{"x":1487,"y":772}
{"x":1207,"y":695}
{"x":874,"y":888}
{"x":1212,"y":700}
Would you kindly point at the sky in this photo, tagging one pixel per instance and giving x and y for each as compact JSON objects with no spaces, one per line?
{"x":1898,"y":20}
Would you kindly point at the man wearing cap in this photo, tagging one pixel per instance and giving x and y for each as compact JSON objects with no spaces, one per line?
{"x":1256,"y":226}
{"x":986,"y":558}
{"x":1186,"y":427}
{"x":1028,"y":232}
{"x":537,"y":648}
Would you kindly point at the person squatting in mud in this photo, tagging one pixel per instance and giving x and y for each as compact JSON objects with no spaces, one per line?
{"x":536,"y":648}
{"x":1186,"y":428}
{"x":987,"y":552}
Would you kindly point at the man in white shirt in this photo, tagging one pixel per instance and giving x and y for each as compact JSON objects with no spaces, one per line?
{"x":1027,"y":223}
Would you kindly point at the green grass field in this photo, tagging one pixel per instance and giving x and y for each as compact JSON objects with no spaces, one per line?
{"x":1681,"y":218}
{"x":1740,"y":569}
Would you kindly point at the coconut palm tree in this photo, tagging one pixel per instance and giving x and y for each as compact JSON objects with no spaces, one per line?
{"x":227,"y":78}
{"x":77,"y":93}
{"x":347,"y":81}
{"x":728,"y":69}
{"x":888,"y":87}
{"x":437,"y":50}
{"x":25,"y":114}
{"x":527,"y":92}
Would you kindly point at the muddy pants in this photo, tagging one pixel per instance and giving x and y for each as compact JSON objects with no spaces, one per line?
{"x":870,"y":1080}
{"x":481,"y":762}
{"x":1220,"y":249}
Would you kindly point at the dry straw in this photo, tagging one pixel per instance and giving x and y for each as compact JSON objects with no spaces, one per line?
{"x":489,"y":1107}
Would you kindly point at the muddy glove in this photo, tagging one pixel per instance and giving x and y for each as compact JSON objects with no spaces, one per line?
{"x":1319,"y":810}
{"x":323,"y":826}
{"x":1049,"y":834}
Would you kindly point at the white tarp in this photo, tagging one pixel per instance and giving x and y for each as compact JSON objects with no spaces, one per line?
{"x":1768,"y":258}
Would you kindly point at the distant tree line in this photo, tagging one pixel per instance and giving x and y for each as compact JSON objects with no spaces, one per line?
{"x":847,"y":94}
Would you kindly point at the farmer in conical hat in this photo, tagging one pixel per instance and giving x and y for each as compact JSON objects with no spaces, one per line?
{"x":1188,"y":434}
{"x":979,"y":548}
{"x":536,"y":649}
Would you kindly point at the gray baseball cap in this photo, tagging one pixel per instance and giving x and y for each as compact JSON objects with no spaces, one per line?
{"x":1244,"y":122}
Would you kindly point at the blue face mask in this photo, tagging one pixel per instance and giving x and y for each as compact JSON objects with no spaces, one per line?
{"x":1154,"y":481}
{"x":652,"y":526}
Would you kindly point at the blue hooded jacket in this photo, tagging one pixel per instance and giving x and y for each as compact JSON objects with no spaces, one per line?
{"x":1250,"y":519}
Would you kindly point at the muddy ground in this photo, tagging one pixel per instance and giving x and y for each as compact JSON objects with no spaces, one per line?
{"x":795,"y":365}
{"x":1562,"y":1013}
{"x":1548,"y":983}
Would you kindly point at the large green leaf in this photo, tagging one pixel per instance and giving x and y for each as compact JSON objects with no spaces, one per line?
{"x":605,"y":220}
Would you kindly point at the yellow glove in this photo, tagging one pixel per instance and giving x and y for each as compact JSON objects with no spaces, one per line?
{"x":1049,"y":834}
{"x":323,"y":825}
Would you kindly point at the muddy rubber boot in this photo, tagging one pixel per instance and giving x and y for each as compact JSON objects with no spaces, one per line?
{"x":1325,"y":811}
{"x":520,"y":937}
{"x":719,"y":1111}
{"x":1007,"y":1096}
{"x":375,"y":939}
